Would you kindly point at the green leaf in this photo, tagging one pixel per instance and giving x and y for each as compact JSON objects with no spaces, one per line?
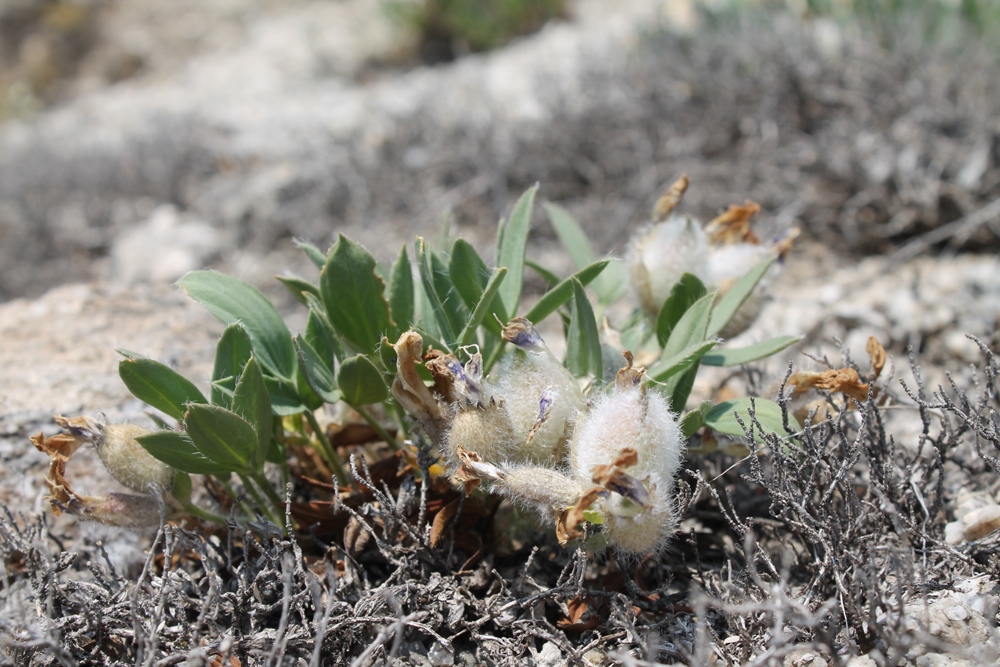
{"x":401,"y":298}
{"x":610,"y":285}
{"x":221,"y":436}
{"x":695,"y":419}
{"x":309,"y":398}
{"x":683,"y":360}
{"x":438,"y":313}
{"x":250,"y":401}
{"x":678,"y":388}
{"x":425,"y":318}
{"x":683,"y":295}
{"x":162,"y":423}
{"x":319,"y":372}
{"x":468,"y":335}
{"x":277,"y":453}
{"x":298,"y":287}
{"x":470,"y":277}
{"x":511,"y":250}
{"x":737,"y":295}
{"x":223,"y":389}
{"x":720,"y":418}
{"x":232,"y":353}
{"x":469,"y":273}
{"x":451,"y":300}
{"x":583,"y":343}
{"x":182,"y":488}
{"x":354,"y":295}
{"x":320,"y":332}
{"x":691,"y":328}
{"x":158,"y":385}
{"x":745,"y":355}
{"x":383,"y":272}
{"x":386,"y":358}
{"x":177,"y":450}
{"x":551,"y":279}
{"x":286,"y":400}
{"x":319,"y":336}
{"x":562,"y":292}
{"x":361,"y":382}
{"x":232,"y":300}
{"x":573,"y":238}
{"x":317,"y":256}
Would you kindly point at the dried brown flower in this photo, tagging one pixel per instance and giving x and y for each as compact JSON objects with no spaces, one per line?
{"x":733,"y":226}
{"x":115,"y":509}
{"x":408,"y":388}
{"x":569,"y":520}
{"x":668,"y":202}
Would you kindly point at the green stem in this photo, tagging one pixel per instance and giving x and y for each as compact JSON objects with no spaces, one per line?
{"x":326,"y":450}
{"x":232,"y":494}
{"x":264,"y":506}
{"x":494,"y":356}
{"x":378,"y":428}
{"x":279,"y":432}
{"x":400,"y":418}
{"x":272,"y":495}
{"x":204,"y":514}
{"x":284,"y":474}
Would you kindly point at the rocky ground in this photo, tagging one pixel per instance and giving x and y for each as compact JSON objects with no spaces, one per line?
{"x":269,"y":128}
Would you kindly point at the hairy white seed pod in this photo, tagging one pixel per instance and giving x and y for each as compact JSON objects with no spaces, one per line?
{"x":129,"y":462}
{"x":661,"y":254}
{"x":125,"y":510}
{"x":546,"y":490}
{"x":483,"y":429}
{"x":541,"y":396}
{"x":639,"y":512}
{"x":126,"y":460}
{"x":542,"y":399}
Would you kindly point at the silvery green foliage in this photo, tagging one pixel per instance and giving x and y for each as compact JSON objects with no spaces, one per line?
{"x":422,"y":345}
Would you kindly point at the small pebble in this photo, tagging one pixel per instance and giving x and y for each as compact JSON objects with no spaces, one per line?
{"x":440,"y":656}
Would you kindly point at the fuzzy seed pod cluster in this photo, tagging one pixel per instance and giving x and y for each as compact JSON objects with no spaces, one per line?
{"x":719,"y":254}
{"x":528,"y":432}
{"x":526,"y":414}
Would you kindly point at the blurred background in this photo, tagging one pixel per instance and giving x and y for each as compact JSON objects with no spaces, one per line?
{"x":143,"y":139}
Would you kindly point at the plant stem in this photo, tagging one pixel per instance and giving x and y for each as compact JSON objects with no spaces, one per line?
{"x":494,"y":356}
{"x":326,"y":450}
{"x":400,"y":418}
{"x":269,"y":491}
{"x":264,"y":506}
{"x":284,"y":474}
{"x":232,"y":494}
{"x":378,"y":428}
{"x":201,"y":513}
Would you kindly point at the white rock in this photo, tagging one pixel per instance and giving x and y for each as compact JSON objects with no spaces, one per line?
{"x":548,"y":656}
{"x":440,"y":655}
{"x":981,"y":522}
{"x":163,"y":248}
{"x":805,"y":658}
